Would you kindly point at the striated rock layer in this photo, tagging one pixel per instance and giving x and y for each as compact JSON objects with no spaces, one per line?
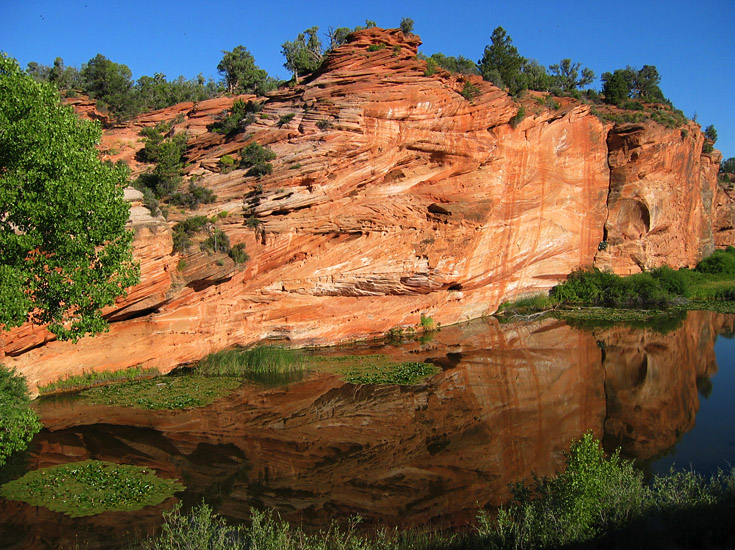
{"x":392,"y":196}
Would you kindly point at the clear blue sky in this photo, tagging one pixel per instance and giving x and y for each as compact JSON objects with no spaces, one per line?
{"x":691,"y":43}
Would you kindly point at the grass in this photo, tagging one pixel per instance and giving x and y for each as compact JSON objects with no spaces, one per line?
{"x":90,"y":487}
{"x":597,"y":501}
{"x":267,"y":365}
{"x":183,"y":391}
{"x":89,"y":379}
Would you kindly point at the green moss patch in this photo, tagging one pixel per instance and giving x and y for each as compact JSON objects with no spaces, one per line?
{"x":165,"y":392}
{"x":91,"y":487}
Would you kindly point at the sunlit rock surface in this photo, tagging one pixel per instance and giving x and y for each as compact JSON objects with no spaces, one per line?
{"x":391,"y":196}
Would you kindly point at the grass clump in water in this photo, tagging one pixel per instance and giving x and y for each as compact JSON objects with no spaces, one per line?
{"x":89,"y":379}
{"x":166,"y":392}
{"x":267,"y":365}
{"x":90,"y":487}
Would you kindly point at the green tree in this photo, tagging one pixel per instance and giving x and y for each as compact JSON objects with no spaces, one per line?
{"x":64,"y":249}
{"x":710,"y":133}
{"x":617,"y":86}
{"x":645,"y":84}
{"x":110,"y":83}
{"x":501,"y":63}
{"x":303,"y":55}
{"x":18,"y":422}
{"x":337,"y":36}
{"x":565,"y":74}
{"x":242,"y":75}
{"x":728,"y":166}
{"x":407,"y":26}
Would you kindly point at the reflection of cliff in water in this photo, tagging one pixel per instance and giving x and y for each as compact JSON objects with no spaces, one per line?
{"x":510,"y":399}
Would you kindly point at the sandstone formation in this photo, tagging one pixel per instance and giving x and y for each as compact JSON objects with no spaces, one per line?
{"x":509,"y":400}
{"x":392,"y":196}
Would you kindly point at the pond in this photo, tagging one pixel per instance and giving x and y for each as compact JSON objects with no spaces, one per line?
{"x":508,"y":401}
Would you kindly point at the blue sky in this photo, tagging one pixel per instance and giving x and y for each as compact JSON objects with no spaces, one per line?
{"x":691,"y":43}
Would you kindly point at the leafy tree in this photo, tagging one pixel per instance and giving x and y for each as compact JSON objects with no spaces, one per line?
{"x":710,"y":133}
{"x":624,"y":84}
{"x":501,"y":63}
{"x":64,"y":249}
{"x":566,"y":75}
{"x":18,"y":422}
{"x":645,"y":84}
{"x":242,"y":75}
{"x":64,"y":78}
{"x":110,"y":83}
{"x":303,"y":55}
{"x":39,"y":73}
{"x":617,"y":86}
{"x":407,"y":26}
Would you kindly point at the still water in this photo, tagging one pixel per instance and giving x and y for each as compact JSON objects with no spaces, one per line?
{"x":507,"y":403}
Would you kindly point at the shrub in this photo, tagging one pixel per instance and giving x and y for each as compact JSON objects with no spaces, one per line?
{"x":236,"y":119}
{"x":431,"y":67}
{"x":183,"y":231}
{"x":218,"y":241}
{"x":195,"y":196}
{"x":516,"y":120}
{"x":470,"y":91}
{"x":323,"y":124}
{"x":256,"y":157}
{"x":407,"y":26}
{"x":376,"y":47}
{"x":285,"y":119}
{"x":18,"y":422}
{"x":227,"y":163}
{"x":722,"y":262}
{"x":238,"y":254}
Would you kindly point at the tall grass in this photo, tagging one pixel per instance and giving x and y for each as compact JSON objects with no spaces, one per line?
{"x":269,"y":365}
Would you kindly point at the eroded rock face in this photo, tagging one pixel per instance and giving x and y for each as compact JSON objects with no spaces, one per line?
{"x":391,"y":196}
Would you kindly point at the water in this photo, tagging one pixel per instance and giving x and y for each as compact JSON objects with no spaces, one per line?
{"x":507,"y":403}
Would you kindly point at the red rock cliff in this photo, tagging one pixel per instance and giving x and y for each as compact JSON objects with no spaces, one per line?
{"x":391,"y":196}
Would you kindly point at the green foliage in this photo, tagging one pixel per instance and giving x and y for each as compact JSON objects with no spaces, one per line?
{"x":456,"y":65}
{"x":89,"y":379}
{"x":18,"y":422}
{"x":236,"y":119}
{"x":376,"y":47}
{"x":728,"y":166}
{"x":227,"y":163}
{"x":501,"y":63}
{"x":470,"y":91}
{"x":170,"y":392}
{"x":166,"y":149}
{"x":195,"y":196}
{"x":267,"y":365}
{"x":566,"y":75}
{"x":323,"y":124}
{"x":184,"y":230}
{"x":151,"y":93}
{"x":519,"y":116}
{"x":623,"y":84}
{"x":405,"y":373}
{"x":721,"y":262}
{"x":256,"y":158}
{"x":91,"y":487}
{"x":406,"y":26}
{"x":285,"y":119}
{"x":64,"y":249}
{"x":431,"y":67}
{"x":238,"y":254}
{"x":710,"y":133}
{"x":242,"y":75}
{"x":528,"y":305}
{"x":218,"y":241}
{"x":427,"y":323}
{"x":304,"y":54}
{"x":111,"y":83}
{"x":591,"y":496}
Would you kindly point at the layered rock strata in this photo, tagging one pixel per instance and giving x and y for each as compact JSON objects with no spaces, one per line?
{"x":392,"y":196}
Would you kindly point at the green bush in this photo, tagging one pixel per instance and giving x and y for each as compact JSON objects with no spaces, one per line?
{"x":470,"y":91}
{"x":18,"y":422}
{"x":218,"y":241}
{"x":256,"y":158}
{"x":722,"y":262}
{"x":516,"y":120}
{"x":285,"y":119}
{"x":183,"y":231}
{"x":195,"y":196}
{"x":227,"y":163}
{"x":236,"y":119}
{"x":238,"y":254}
